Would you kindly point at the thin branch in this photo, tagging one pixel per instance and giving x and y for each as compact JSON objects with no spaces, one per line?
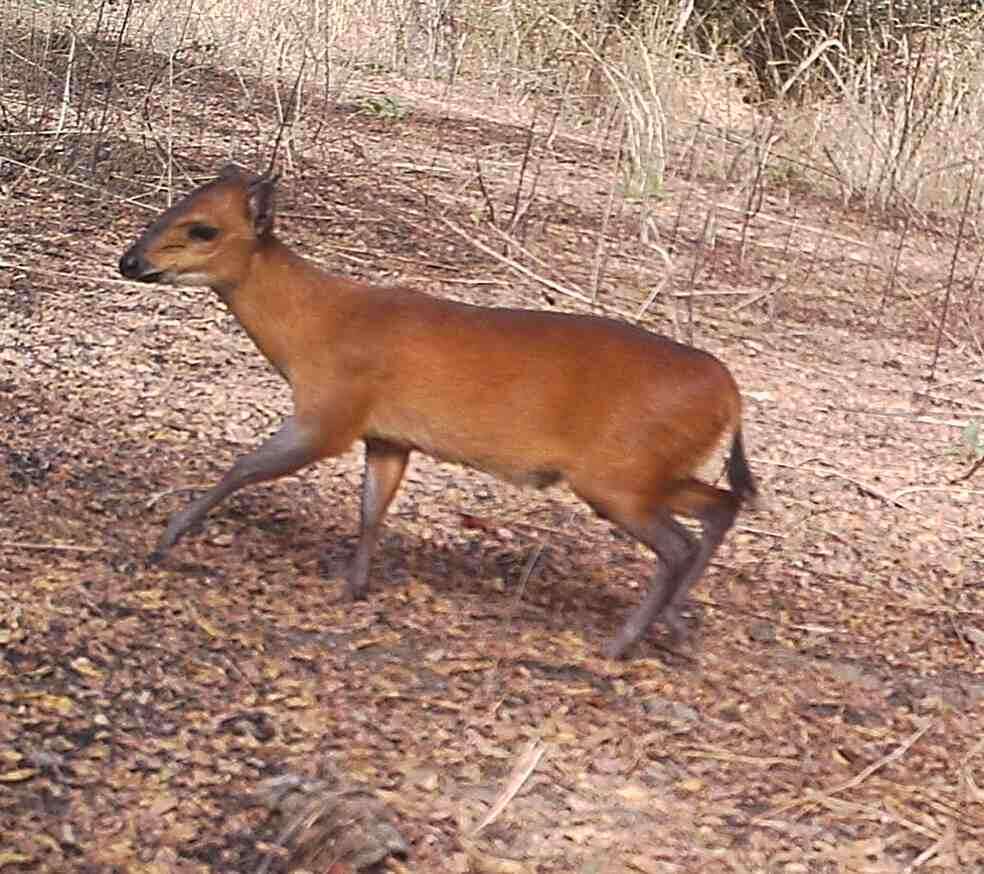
{"x":826,"y":474}
{"x":976,"y":466}
{"x":514,"y":265}
{"x":904,"y":414}
{"x":599,"y":257}
{"x":75,"y":277}
{"x":913,"y":490}
{"x":512,"y":241}
{"x":153,"y":499}
{"x":517,"y":213}
{"x":813,"y":796}
{"x":524,"y":767}
{"x":489,"y":205}
{"x":950,"y":276}
{"x":658,"y":290}
{"x":54,"y":547}
{"x":288,"y":115}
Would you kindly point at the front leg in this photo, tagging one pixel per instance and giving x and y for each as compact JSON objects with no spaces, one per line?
{"x":385,"y":464}
{"x":287,"y":451}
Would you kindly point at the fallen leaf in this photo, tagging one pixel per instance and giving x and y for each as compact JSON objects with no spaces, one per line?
{"x":85,"y":667}
{"x":58,"y":703}
{"x":18,"y":776}
{"x":208,"y":627}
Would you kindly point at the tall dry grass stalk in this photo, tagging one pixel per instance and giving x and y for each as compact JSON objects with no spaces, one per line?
{"x":899,"y":124}
{"x":901,"y":127}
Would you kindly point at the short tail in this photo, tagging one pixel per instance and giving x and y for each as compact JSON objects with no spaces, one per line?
{"x":739,"y":473}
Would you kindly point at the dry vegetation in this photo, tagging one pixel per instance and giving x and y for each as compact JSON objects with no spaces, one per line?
{"x":225,"y":713}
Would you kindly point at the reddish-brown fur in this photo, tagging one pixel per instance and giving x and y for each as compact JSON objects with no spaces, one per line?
{"x":623,"y":416}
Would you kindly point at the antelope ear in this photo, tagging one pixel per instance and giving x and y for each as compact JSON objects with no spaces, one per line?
{"x":260,"y":200}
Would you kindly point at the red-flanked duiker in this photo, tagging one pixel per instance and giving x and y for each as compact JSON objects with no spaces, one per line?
{"x":622,"y":416}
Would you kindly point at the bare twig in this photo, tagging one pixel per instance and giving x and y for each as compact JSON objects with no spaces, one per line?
{"x":153,"y":499}
{"x":893,"y":273}
{"x":288,"y":114}
{"x":695,"y":269}
{"x":976,"y":466}
{"x":54,"y":547}
{"x":75,"y":277}
{"x":953,"y":269}
{"x":928,"y":853}
{"x":67,"y":90}
{"x":489,"y":204}
{"x":756,"y":191}
{"x":524,"y":767}
{"x":512,"y":241}
{"x":517,"y":212}
{"x":514,"y":265}
{"x":912,"y":490}
{"x":658,"y":289}
{"x":600,"y":257}
{"x":813,"y":796}
{"x":762,"y":295}
{"x":826,"y":474}
{"x":528,"y":569}
{"x":722,"y":755}
{"x":904,"y":414}
{"x":102,"y":191}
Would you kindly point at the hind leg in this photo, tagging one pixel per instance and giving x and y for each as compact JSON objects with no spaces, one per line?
{"x":715,"y":509}
{"x":683,"y":559}
{"x":674,"y":548}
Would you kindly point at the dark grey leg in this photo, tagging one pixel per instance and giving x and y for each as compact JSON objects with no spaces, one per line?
{"x":285,"y":452}
{"x":385,"y":464}
{"x":715,"y":521}
{"x":675,"y":547}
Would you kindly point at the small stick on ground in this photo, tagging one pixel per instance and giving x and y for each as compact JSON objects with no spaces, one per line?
{"x":512,"y":241}
{"x":54,"y":547}
{"x":524,"y":767}
{"x":867,"y":488}
{"x":976,"y":466}
{"x":856,"y":780}
{"x":153,"y":499}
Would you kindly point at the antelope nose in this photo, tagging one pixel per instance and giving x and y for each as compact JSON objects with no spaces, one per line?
{"x":130,"y":265}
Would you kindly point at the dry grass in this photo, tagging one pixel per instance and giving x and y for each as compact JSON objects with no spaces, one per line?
{"x":907,"y":138}
{"x":898,"y":127}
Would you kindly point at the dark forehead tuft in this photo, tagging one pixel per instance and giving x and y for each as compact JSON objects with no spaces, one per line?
{"x":194,"y":199}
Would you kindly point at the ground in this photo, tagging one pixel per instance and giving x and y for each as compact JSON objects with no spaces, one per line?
{"x":826,"y":714}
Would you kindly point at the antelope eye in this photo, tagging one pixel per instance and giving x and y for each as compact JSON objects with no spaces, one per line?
{"x":202,"y":232}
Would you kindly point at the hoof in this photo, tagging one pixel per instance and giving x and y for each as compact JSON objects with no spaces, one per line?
{"x":616,"y":649}
{"x":355,"y":593}
{"x":679,"y":633}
